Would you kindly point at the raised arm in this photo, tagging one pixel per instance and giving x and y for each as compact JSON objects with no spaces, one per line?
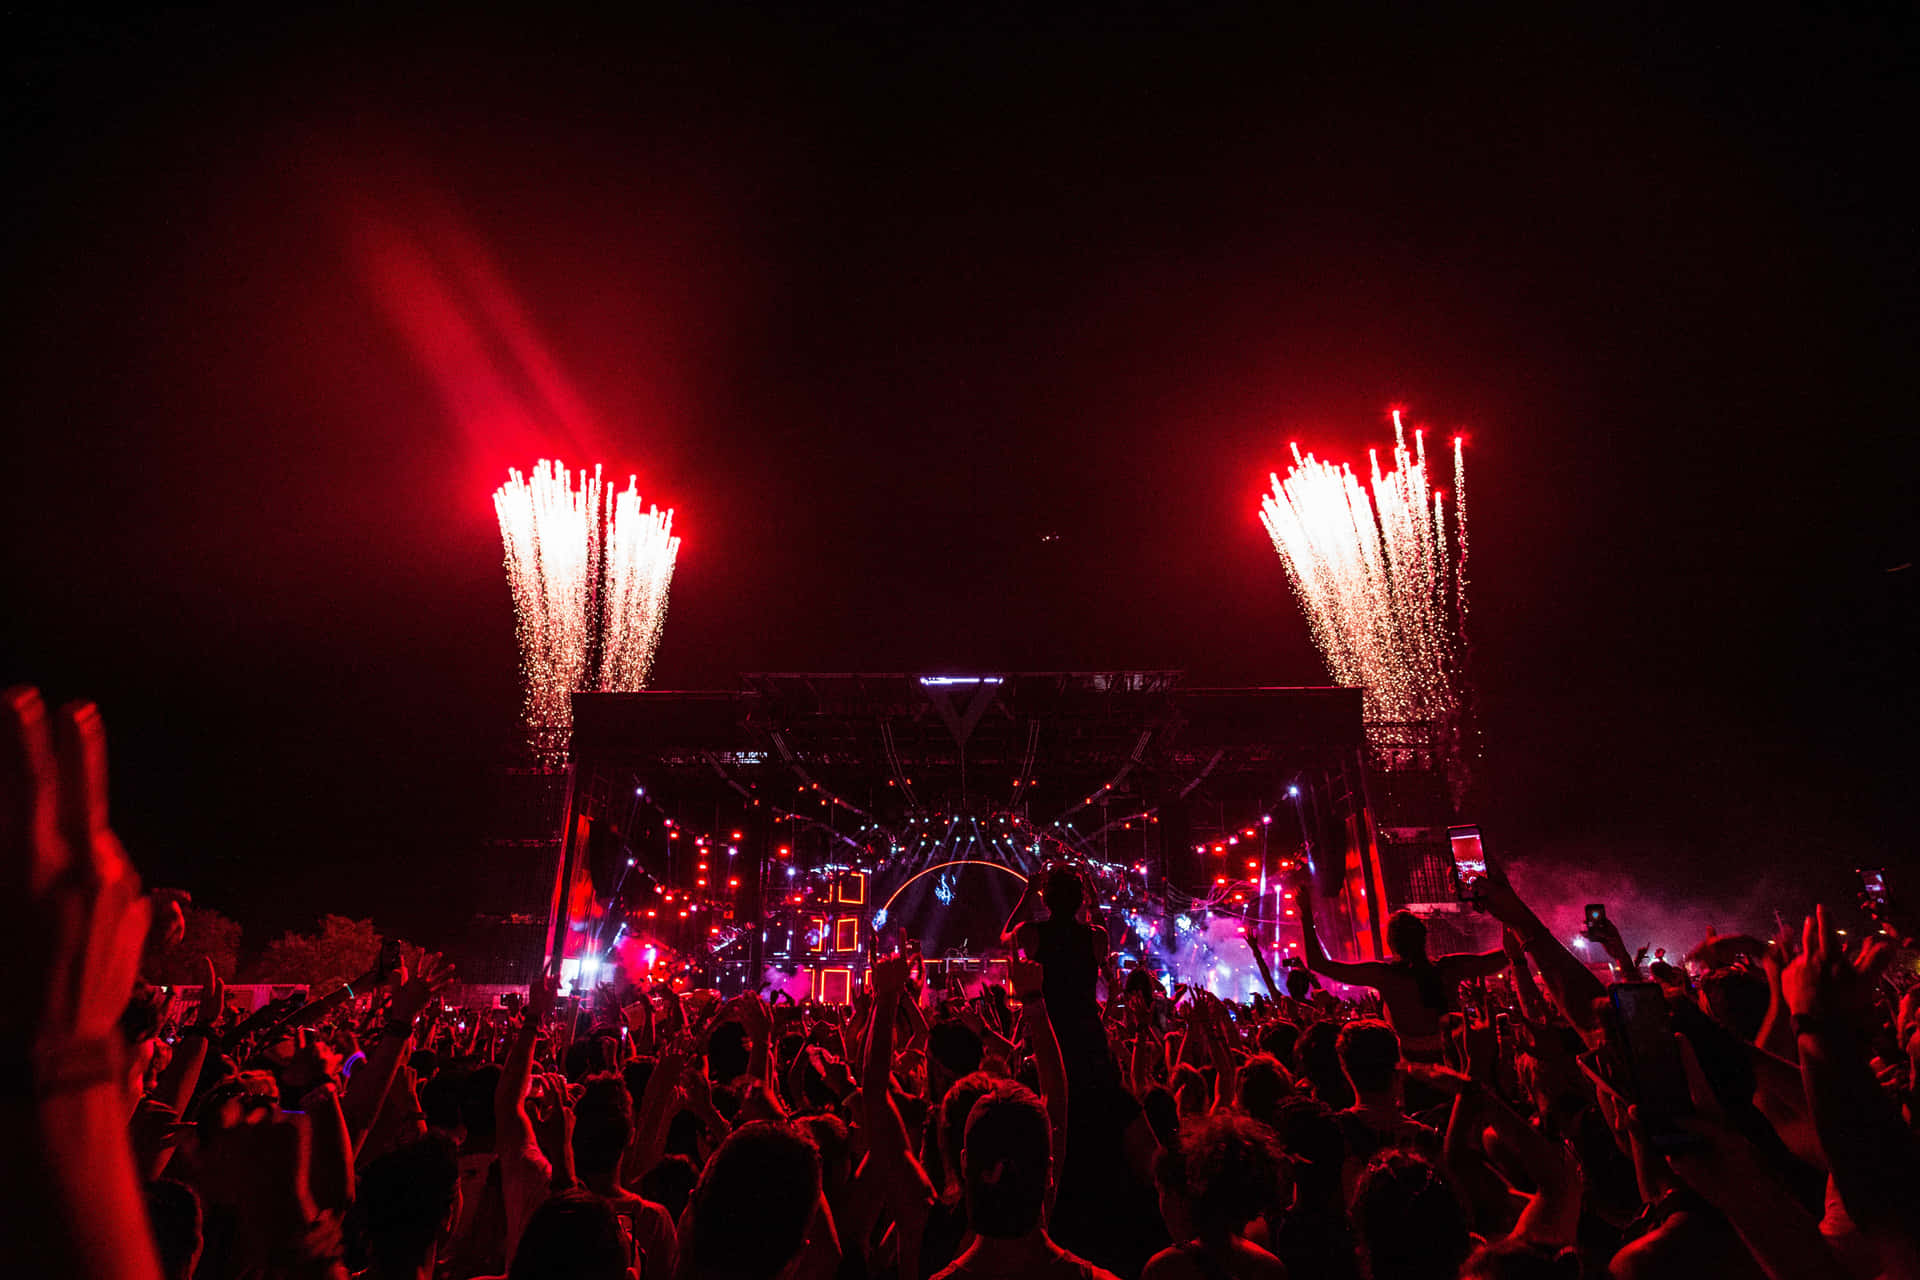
{"x":1212,"y":1023}
{"x":1021,"y":913}
{"x":1607,"y":934}
{"x":1469,"y":966}
{"x":330,"y":1150}
{"x":1784,"y":1239}
{"x":917,"y":1028}
{"x":1776,"y":1029}
{"x":995,"y":1042}
{"x":886,"y":1132}
{"x":71,"y":974}
{"x":1364,"y":974}
{"x":367,"y":1091}
{"x":909,"y":1191}
{"x":511,"y":1122}
{"x":1874,"y":1158}
{"x":1027,"y":978}
{"x":1571,"y":984}
{"x":1552,"y":1214}
{"x":1266,"y":974}
{"x":1142,"y":1073}
{"x":655,"y":1111}
{"x":1533,"y":1005}
{"x":649,"y":1033}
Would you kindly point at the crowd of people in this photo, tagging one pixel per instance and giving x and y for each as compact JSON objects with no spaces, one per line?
{"x":1499,"y":1115}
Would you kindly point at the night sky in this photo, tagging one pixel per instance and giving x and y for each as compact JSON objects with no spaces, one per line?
{"x":878,"y":302}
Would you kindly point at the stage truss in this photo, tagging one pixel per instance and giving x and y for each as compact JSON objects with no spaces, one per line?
{"x":771,"y":829}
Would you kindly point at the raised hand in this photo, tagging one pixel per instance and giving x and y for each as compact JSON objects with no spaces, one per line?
{"x":754,"y":1016}
{"x":1498,"y":897}
{"x":76,"y":894}
{"x":673,"y":1058}
{"x":169,"y":918}
{"x":428,"y":977}
{"x":1823,"y":981}
{"x":312,"y":1064}
{"x":694,"y":1083}
{"x":213,"y":998}
{"x":1479,"y":1046}
{"x":836,"y":1073}
{"x":1026,"y":976}
{"x":541,"y":996}
{"x":1605,"y":932}
{"x":552,"y":1118}
{"x":888,"y":976}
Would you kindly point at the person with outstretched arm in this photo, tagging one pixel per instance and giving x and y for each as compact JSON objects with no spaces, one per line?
{"x":1416,"y":989}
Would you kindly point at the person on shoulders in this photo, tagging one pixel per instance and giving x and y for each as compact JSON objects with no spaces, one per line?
{"x":1417,"y":990}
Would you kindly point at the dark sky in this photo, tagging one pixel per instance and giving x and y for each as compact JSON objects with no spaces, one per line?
{"x":876,"y":302}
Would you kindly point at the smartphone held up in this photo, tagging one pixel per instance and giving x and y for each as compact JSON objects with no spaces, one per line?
{"x":1469,"y":864}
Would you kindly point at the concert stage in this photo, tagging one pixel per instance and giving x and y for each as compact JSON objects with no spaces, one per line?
{"x":768,"y":833}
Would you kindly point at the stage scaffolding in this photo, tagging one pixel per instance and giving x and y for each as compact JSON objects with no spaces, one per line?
{"x":745,"y":828}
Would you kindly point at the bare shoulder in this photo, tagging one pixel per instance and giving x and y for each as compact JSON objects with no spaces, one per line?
{"x":1169,"y":1264}
{"x":1249,"y":1262}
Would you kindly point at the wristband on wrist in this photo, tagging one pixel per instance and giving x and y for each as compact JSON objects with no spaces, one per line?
{"x":1809,"y":1024}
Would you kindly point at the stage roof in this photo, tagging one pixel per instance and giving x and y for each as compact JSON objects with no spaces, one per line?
{"x":1002,"y":727}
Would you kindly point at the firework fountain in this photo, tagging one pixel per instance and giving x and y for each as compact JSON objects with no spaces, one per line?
{"x":589,"y":571}
{"x":1382,"y":576}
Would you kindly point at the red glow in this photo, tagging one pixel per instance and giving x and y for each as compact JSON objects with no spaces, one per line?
{"x":490,"y":349}
{"x":497,"y":379}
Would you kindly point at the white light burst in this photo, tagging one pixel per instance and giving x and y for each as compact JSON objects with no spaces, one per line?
{"x":589,"y":571}
{"x":1380,"y":573}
